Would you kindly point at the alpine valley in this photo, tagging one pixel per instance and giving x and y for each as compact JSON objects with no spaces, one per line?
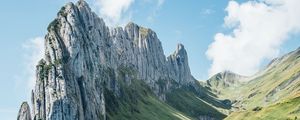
{"x":93,"y":72}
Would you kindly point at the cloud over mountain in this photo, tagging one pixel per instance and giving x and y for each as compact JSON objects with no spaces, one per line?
{"x":113,"y":10}
{"x":258,"y":28}
{"x":34,"y":52}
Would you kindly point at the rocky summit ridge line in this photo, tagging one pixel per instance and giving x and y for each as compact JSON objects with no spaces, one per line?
{"x":92,"y":72}
{"x":83,"y":58}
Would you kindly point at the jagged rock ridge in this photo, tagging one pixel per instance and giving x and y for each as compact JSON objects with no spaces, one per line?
{"x":83,"y":56}
{"x":24,"y":112}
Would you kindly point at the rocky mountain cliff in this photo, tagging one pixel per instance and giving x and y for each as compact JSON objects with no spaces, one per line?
{"x":86,"y":63}
{"x":93,"y":72}
{"x":24,"y":112}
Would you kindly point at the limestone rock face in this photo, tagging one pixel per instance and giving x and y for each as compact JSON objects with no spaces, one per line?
{"x":24,"y":112}
{"x":83,"y":56}
{"x":178,"y":65}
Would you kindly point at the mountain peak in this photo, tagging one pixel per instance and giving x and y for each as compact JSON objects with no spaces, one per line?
{"x":140,"y":31}
{"x":24,"y":112}
{"x":82,"y":3}
{"x":228,"y":72}
{"x":82,"y":54}
{"x":180,"y":51}
{"x":179,"y":63}
{"x":180,"y":47}
{"x":225,"y":79}
{"x":131,"y":24}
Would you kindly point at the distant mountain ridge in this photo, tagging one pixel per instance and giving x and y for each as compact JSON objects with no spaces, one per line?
{"x":226,"y":79}
{"x":265,"y":92}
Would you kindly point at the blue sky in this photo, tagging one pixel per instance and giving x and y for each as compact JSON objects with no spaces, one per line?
{"x":193,"y":23}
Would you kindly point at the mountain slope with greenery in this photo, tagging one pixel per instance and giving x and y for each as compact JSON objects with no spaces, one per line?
{"x":272,"y":93}
{"x":136,"y":101}
{"x":288,"y":109}
{"x":192,"y":104}
{"x":280,"y":80}
{"x":139,"y":103}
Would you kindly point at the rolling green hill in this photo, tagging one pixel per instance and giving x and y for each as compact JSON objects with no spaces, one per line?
{"x":270,"y":94}
{"x":139,"y":103}
{"x":288,"y":109}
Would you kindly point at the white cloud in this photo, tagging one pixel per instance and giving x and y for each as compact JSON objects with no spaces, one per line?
{"x":118,"y":12}
{"x":258,"y":30}
{"x":113,"y":10}
{"x":34,"y":52}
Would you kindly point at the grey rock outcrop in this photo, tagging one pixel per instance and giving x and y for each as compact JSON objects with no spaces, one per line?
{"x":24,"y":112}
{"x":83,"y":56}
{"x":179,"y":67}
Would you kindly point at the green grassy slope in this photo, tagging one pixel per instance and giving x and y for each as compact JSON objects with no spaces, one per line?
{"x":280,"y":80}
{"x":272,"y":89}
{"x":226,"y":84}
{"x":137,"y":102}
{"x":192,"y":105}
{"x":286,"y":110}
